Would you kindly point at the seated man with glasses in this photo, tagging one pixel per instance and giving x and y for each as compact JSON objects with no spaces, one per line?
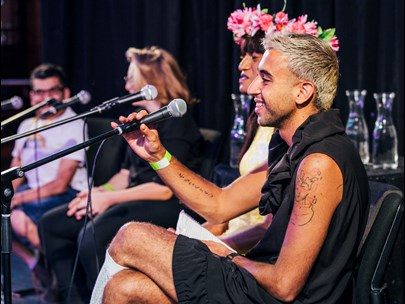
{"x":51,"y":92}
{"x":51,"y":184}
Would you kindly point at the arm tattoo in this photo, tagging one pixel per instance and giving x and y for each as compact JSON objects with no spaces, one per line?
{"x":192,"y":184}
{"x":305,"y":199}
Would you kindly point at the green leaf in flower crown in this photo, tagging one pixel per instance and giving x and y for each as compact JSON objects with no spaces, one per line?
{"x":265,"y":10}
{"x":326,"y":35}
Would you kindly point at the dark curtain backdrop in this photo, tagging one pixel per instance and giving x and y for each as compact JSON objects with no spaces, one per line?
{"x":89,"y":39}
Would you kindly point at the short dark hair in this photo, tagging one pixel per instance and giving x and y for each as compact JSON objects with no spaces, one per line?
{"x":253,"y":44}
{"x":47,"y":70}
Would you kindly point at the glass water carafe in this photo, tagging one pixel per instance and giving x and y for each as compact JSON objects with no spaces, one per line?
{"x":385,"y":141}
{"x":356,"y":126}
{"x":241,"y":103}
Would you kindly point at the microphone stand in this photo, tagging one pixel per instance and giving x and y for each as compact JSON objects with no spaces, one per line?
{"x":99,"y":109}
{"x":7,"y":193}
{"x":11,"y":174}
{"x":26,"y":112}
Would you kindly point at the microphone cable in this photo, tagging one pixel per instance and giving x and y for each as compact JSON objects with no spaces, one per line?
{"x":89,"y":205}
{"x":89,"y":211}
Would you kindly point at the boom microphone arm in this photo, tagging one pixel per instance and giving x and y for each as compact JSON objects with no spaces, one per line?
{"x":52,"y":125}
{"x":175,"y":108}
{"x":148,"y":92}
{"x":24,"y":113}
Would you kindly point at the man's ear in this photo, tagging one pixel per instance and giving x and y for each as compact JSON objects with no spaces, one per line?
{"x":306,"y":92}
{"x":66,"y":93}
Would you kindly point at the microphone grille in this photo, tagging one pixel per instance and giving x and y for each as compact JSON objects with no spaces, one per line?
{"x":84,"y":97}
{"x":17,"y":102}
{"x":149,"y":92}
{"x":177,"y":107}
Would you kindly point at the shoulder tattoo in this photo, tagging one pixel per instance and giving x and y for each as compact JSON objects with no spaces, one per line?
{"x":305,"y":196}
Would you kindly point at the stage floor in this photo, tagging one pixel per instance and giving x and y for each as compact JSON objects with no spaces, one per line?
{"x":23,"y":292}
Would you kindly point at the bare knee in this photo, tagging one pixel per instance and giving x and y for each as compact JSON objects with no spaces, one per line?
{"x":130,"y":286}
{"x":130,"y":236}
{"x":25,"y":227}
{"x":119,"y":288}
{"x":16,"y":218}
{"x":19,"y":222}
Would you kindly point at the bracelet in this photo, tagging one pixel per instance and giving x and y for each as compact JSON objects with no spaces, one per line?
{"x":163,"y":163}
{"x":108,"y":187}
{"x":231,"y":256}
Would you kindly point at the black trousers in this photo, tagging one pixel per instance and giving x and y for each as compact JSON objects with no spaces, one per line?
{"x":61,"y":235}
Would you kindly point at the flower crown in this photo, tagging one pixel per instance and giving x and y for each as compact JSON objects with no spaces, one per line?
{"x":246,"y":22}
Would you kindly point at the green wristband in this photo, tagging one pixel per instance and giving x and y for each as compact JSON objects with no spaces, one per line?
{"x":163,"y":163}
{"x":108,"y":187}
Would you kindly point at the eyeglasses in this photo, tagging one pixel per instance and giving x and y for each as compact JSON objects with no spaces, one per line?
{"x":128,"y":78}
{"x":51,"y":91}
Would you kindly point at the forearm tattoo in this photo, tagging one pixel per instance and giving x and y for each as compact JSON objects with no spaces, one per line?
{"x":192,"y":184}
{"x":305,"y":197}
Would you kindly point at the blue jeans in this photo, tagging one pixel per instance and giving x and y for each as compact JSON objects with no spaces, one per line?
{"x":35,"y":209}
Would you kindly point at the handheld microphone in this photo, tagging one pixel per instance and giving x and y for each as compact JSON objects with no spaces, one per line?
{"x":83,"y":97}
{"x":176,"y":108}
{"x":13,"y":103}
{"x":148,"y":92}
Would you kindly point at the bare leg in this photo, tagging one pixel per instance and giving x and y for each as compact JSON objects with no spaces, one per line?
{"x":129,"y":286}
{"x":25,"y":254}
{"x":25,"y":227}
{"x":148,"y":249}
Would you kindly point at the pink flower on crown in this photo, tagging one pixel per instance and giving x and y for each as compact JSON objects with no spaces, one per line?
{"x":295,"y":27}
{"x":239,"y":22}
{"x":247,"y":22}
{"x":334,"y":43}
{"x":302,"y":26}
{"x":311,"y":28}
{"x":261,"y":21}
{"x":281,"y":20}
{"x":266,"y":21}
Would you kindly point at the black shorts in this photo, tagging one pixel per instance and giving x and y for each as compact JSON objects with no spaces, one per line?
{"x":203,"y":277}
